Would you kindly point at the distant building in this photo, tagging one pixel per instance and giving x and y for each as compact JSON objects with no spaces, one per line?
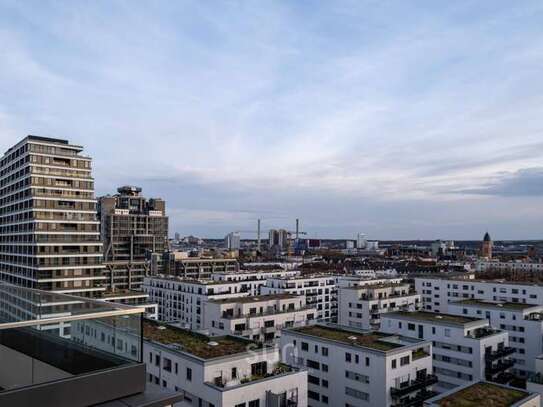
{"x":177,"y":236}
{"x":487,"y":246}
{"x":232,"y":241}
{"x":132,"y":228}
{"x":361,"y":241}
{"x":178,"y":264}
{"x":278,"y":238}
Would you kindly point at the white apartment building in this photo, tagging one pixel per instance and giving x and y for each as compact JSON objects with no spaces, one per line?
{"x":523,"y":322}
{"x":349,"y":367}
{"x":260,"y":318}
{"x":220,"y":371}
{"x":356,"y":280}
{"x":496,"y":265}
{"x":253,"y":275}
{"x":320,"y":291}
{"x":363,"y":305}
{"x":180,"y":300}
{"x":437,"y":292}
{"x":485,"y":394}
{"x":464,"y":348}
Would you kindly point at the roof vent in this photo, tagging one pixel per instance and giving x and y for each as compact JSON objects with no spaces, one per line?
{"x":439,"y":317}
{"x":213,"y":343}
{"x":161,"y":327}
{"x":499,"y":305}
{"x":352,"y":338}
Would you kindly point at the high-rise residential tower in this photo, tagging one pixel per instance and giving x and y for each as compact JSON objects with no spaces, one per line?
{"x":49,"y":237}
{"x":133,"y":228}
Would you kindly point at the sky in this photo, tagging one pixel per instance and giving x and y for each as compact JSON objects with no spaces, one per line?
{"x":398,"y":119}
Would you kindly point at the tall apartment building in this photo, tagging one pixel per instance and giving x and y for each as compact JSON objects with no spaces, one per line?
{"x":260,"y":318}
{"x":181,"y":300}
{"x":278,"y":238}
{"x":320,"y":291}
{"x":223,"y":371}
{"x":363,"y":306}
{"x":232,"y":241}
{"x":523,"y":323}
{"x":132,"y":228}
{"x":49,"y":237}
{"x":464,"y":348}
{"x":347,"y":367}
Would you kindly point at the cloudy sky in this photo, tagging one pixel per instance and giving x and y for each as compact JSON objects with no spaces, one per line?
{"x":400,"y":119}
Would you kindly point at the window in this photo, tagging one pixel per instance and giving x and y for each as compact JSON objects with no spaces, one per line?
{"x":312,"y":364}
{"x":394,"y":366}
{"x":447,"y":332}
{"x":324,"y":351}
{"x":324,"y":399}
{"x":324,"y":367}
{"x":367,"y":361}
{"x":404,"y":361}
{"x":324,"y":383}
{"x":234,"y":372}
{"x":347,"y":357}
{"x":305,"y":346}
{"x":254,"y":403}
{"x":313,"y":395}
{"x":241,"y":405}
{"x":357,"y":394}
{"x":189,"y":374}
{"x":313,"y":380}
{"x":411,"y":327}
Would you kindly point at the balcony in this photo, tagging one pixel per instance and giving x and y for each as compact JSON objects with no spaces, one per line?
{"x":417,"y":384}
{"x":415,"y":400}
{"x":500,"y":353}
{"x":501,"y":366}
{"x":60,"y":347}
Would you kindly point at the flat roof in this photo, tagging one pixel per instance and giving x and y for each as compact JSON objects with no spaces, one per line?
{"x":364,"y":339}
{"x":375,"y":286}
{"x":255,"y":298}
{"x":433,"y":317}
{"x":509,"y":306}
{"x":199,"y":345}
{"x":482,"y":394}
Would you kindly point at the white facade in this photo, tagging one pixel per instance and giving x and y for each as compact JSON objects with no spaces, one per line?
{"x":496,"y":265}
{"x":464,"y":348}
{"x":362,"y":306}
{"x":232,"y":241}
{"x":253,"y":275}
{"x":181,"y":300}
{"x":250,"y":377}
{"x":524,"y":324}
{"x":350,"y":368}
{"x":259,"y":318}
{"x":438,"y":292}
{"x":320,"y":291}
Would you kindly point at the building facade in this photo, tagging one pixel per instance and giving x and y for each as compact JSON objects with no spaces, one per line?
{"x":349,"y":367}
{"x":464,"y":348}
{"x":49,"y":232}
{"x":132,"y":228}
{"x":179,"y":265}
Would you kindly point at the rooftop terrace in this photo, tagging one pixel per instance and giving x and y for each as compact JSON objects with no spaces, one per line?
{"x":433,"y":317}
{"x":368,"y":339}
{"x":483,"y":394}
{"x":196,"y":344}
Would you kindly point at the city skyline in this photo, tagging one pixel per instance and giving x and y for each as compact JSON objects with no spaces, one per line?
{"x":395,"y":121}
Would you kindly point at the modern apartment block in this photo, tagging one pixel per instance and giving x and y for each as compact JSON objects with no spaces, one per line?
{"x":132,"y":228}
{"x":438,"y":292}
{"x":260,"y":318}
{"x":181,"y":300}
{"x":320,"y":291}
{"x":177,"y":264}
{"x":49,"y":237}
{"x":464,"y":348}
{"x":362,"y":306}
{"x":349,"y":367}
{"x":513,"y":266}
{"x":222,"y":371}
{"x":485,"y":394}
{"x":523,"y":322}
{"x":63,"y":351}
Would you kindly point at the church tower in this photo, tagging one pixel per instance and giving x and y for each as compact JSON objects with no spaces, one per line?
{"x":487,"y":246}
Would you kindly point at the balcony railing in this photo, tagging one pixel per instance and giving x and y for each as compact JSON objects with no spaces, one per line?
{"x":416,"y":400}
{"x":501,"y":366}
{"x":500,"y":353}
{"x":419,"y":383}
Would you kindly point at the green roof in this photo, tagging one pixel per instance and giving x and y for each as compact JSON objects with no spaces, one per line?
{"x":199,"y":345}
{"x":433,"y":317}
{"x":370,"y":339}
{"x":483,"y":394}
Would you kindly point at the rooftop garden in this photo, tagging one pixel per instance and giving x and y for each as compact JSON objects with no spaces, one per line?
{"x":435,"y":317}
{"x":372,"y":340}
{"x":483,"y":394}
{"x":196,"y":344}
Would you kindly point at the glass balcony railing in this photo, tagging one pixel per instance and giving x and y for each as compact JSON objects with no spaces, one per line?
{"x":47,"y":337}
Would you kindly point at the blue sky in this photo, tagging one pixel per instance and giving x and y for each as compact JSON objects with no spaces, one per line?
{"x":400,"y":119}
